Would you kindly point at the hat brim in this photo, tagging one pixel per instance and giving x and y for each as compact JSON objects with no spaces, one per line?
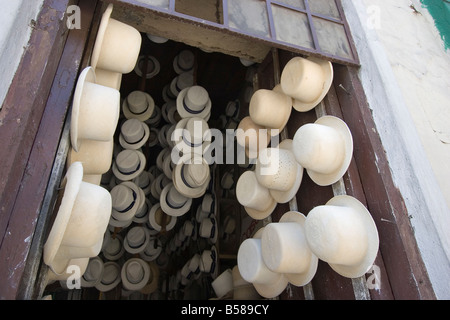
{"x":155,"y":225}
{"x":101,"y":35}
{"x":148,"y":75}
{"x":135,"y":146}
{"x":205,"y":114}
{"x":71,"y":184}
{"x":372,"y":235}
{"x":87,"y":75}
{"x":141,"y":247}
{"x":175,"y":212}
{"x":62,"y":265}
{"x":261,"y":215}
{"x":300,"y":279}
{"x":339,"y":125}
{"x":108,"y":287}
{"x":128,"y":177}
{"x":327,"y":68}
{"x":142,"y":117}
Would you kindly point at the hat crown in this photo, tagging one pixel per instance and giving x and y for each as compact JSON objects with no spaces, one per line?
{"x":196,"y":98}
{"x":184,"y":80}
{"x":195,"y":130}
{"x":250,"y":193}
{"x":136,"y":237}
{"x":206,"y":227}
{"x":252,"y":135}
{"x":93,"y":270}
{"x":270,"y":108}
{"x":133,"y":130}
{"x":137,"y":102}
{"x":196,"y":174}
{"x":302,"y":79}
{"x":185,"y":60}
{"x":175,"y":198}
{"x":114,"y":246}
{"x":122,"y":197}
{"x":110,"y":274}
{"x":276,"y":169}
{"x":319,"y":148}
{"x":336,"y":234}
{"x":128,"y":161}
{"x":134,"y":272}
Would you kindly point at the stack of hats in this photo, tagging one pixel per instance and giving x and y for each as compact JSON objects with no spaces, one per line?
{"x":341,"y":232}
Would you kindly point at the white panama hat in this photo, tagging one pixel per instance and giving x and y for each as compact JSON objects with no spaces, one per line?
{"x":153,"y":138}
{"x":252,"y":137}
{"x":209,"y":262}
{"x":242,"y":289}
{"x":112,"y":38}
{"x":278,"y":170}
{"x":95,"y":110}
{"x":194,"y":101}
{"x":181,"y":82}
{"x":152,"y":250}
{"x":153,"y":66}
{"x":173,"y":202}
{"x":324,"y":148}
{"x":209,"y":204}
{"x":253,"y":269}
{"x":307,"y":81}
{"x":127,"y":199}
{"x":108,"y":78}
{"x":128,"y":164}
{"x":270,"y":109}
{"x":96,"y":156}
{"x":191,"y":177}
{"x":191,"y":135}
{"x":135,"y":274}
{"x":209,"y":229}
{"x":343,"y":233}
{"x":136,"y":239}
{"x":223,"y":284}
{"x":115,"y":249}
{"x":156,"y":217}
{"x":93,"y":273}
{"x":110,"y":278}
{"x":155,"y":118}
{"x":133,"y":134}
{"x":142,"y":213}
{"x":184,"y":61}
{"x":158,"y":185}
{"x":76,"y":232}
{"x":286,"y":250}
{"x":144,"y":181}
{"x":138,"y":105}
{"x":256,"y":199}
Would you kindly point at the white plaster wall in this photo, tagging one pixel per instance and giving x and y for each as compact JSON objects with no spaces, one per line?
{"x":15,"y":17}
{"x":405,"y":72}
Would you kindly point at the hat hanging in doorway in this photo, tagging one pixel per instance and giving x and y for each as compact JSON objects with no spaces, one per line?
{"x":253,"y":269}
{"x":110,"y":278}
{"x":95,"y":110}
{"x":153,"y":66}
{"x":256,"y":199}
{"x":133,"y":134}
{"x":136,"y":239}
{"x":128,"y":164}
{"x":343,"y":233}
{"x":108,"y":78}
{"x":93,"y":273}
{"x":191,"y":176}
{"x":155,"y":119}
{"x":153,"y":282}
{"x":209,"y":262}
{"x":307,"y":81}
{"x":278,"y":170}
{"x":158,"y":185}
{"x":75,"y":232}
{"x":112,"y":38}
{"x":138,"y":105}
{"x":173,"y":202}
{"x":156,"y":39}
{"x":127,"y":199}
{"x":191,"y":135}
{"x":152,"y":250}
{"x":252,"y":137}
{"x":242,"y":289}
{"x":142,"y":213}
{"x":184,"y":61}
{"x":286,"y":250}
{"x":270,"y":109}
{"x":324,"y":149}
{"x":194,"y":101}
{"x":223,"y":284}
{"x":96,"y":156}
{"x":144,"y":181}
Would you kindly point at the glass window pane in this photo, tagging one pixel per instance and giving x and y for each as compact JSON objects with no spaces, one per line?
{"x":326,"y":7}
{"x":156,"y":3}
{"x":295,"y":3}
{"x":292,"y":27}
{"x":250,"y":16}
{"x":332,"y":38}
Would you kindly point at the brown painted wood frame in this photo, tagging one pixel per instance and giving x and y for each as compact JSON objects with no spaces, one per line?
{"x":33,"y":116}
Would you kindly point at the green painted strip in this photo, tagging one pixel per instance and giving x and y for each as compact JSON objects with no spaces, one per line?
{"x":440,"y":11}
